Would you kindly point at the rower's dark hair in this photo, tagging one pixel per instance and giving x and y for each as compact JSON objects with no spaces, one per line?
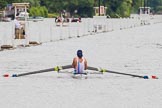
{"x":80,"y":53}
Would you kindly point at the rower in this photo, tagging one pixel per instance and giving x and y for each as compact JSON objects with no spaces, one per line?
{"x":79,"y":63}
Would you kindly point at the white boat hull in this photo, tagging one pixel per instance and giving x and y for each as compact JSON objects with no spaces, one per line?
{"x":80,"y":76}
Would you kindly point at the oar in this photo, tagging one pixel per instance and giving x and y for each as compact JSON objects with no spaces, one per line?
{"x":57,"y":68}
{"x":104,"y":70}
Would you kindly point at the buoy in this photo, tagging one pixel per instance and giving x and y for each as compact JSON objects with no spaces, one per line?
{"x":145,"y":77}
{"x":14,"y":75}
{"x":150,"y":77}
{"x":6,"y":75}
{"x":154,"y":77}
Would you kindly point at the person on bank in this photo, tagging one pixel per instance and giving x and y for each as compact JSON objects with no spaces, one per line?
{"x":79,"y":63}
{"x":18,"y":28}
{"x":17,"y":23}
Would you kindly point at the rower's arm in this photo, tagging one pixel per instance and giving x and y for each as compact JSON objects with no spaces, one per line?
{"x":74,"y":63}
{"x":86,"y":64}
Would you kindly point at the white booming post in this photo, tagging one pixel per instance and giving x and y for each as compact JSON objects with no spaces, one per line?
{"x":26,"y":33}
{"x":13,"y":33}
{"x":93,"y":27}
{"x":78,"y":29}
{"x":61,"y":31}
{"x":107,"y":26}
{"x":25,"y":27}
{"x":69,"y":29}
{"x":39,"y":34}
{"x":88,"y":25}
{"x":51,"y":32}
{"x":15,"y":11}
{"x":84,"y":25}
{"x":0,"y":44}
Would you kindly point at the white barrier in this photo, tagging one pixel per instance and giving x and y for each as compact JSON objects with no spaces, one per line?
{"x":46,"y":30}
{"x":6,"y":33}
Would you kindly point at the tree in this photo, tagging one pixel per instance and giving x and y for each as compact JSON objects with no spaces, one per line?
{"x":85,"y":8}
{"x":124,"y":8}
{"x":3,"y":3}
{"x":38,"y":11}
{"x":135,"y":6}
{"x":32,"y":2}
